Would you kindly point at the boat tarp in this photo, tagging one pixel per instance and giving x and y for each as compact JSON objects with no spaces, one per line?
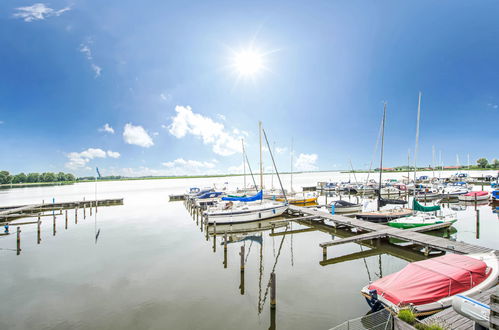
{"x":256,"y":197}
{"x":430,"y":280}
{"x":418,"y":207}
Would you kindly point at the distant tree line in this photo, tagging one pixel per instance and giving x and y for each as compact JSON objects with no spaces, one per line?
{"x":92,"y":178}
{"x":484,"y":163}
{"x":7,"y":178}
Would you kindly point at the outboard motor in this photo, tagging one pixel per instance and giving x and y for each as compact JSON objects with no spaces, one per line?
{"x":373,"y":302}
{"x":473,"y":310}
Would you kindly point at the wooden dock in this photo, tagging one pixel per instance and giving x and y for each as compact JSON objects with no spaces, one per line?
{"x":375,"y":230}
{"x":10,"y":213}
{"x":451,"y":319}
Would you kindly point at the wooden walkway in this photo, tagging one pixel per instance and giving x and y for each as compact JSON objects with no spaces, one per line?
{"x":9,"y":213}
{"x":448,"y":317}
{"x":376,"y":230}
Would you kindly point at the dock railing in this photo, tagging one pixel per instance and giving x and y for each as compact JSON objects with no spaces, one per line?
{"x":380,"y":320}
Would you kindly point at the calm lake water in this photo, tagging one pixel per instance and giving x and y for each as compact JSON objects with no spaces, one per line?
{"x":152,"y":267}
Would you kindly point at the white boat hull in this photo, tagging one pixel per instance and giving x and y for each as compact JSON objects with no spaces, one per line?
{"x":241,"y":216}
{"x":473,"y":198}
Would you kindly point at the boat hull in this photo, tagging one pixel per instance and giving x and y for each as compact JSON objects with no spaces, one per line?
{"x":246,"y":216}
{"x":404,"y":225}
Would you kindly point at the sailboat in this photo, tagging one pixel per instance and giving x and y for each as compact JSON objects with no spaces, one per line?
{"x":246,"y":209}
{"x":383,"y":215}
{"x":423,"y":217}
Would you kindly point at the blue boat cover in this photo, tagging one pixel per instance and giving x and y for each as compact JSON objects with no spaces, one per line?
{"x":256,"y":197}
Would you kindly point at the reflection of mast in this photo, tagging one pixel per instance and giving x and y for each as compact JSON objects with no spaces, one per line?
{"x":260,"y":277}
{"x":244,"y":166}
{"x":367,"y":268}
{"x":261,"y":161}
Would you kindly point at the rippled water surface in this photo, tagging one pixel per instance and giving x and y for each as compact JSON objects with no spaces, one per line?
{"x":152,"y":267}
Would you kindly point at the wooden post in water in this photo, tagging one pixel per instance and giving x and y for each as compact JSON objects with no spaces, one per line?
{"x":477,"y":224}
{"x":66,"y":220}
{"x":324,"y":253}
{"x":90,"y":208}
{"x":18,"y":240}
{"x":273,"y":300}
{"x":225,"y":249}
{"x":84,"y":209}
{"x":76,"y":215}
{"x":215,"y":236}
{"x":241,"y":254}
{"x":476,"y":201}
{"x":38,"y":231}
{"x":53,"y":225}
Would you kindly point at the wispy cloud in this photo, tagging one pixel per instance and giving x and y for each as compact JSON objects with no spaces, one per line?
{"x":165,"y":97}
{"x":106,"y":128}
{"x":87,"y":51}
{"x":78,"y":160}
{"x":493,"y":106}
{"x":280,"y":150}
{"x":193,"y":164}
{"x":306,"y":162}
{"x":37,"y":12}
{"x":211,"y":132}
{"x":137,"y":135}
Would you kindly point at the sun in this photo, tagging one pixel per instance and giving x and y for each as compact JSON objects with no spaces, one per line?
{"x":248,"y":62}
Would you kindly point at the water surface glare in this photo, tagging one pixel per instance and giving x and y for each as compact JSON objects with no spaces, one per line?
{"x":152,"y":267}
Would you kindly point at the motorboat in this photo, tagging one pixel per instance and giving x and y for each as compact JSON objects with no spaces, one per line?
{"x":474,"y":196}
{"x":429,"y":286}
{"x":244,"y":209}
{"x":454,"y":191}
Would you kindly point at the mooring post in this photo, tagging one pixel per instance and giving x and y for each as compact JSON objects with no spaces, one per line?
{"x":53,"y":225}
{"x":324,"y":252}
{"x":225,"y":241}
{"x":38,"y":231}
{"x":272,"y":291}
{"x":476,"y":201}
{"x":206,"y":228}
{"x":241,"y":254}
{"x":76,"y":215}
{"x":84,"y":209}
{"x":477,"y":224}
{"x":18,"y":240}
{"x":272,"y":229}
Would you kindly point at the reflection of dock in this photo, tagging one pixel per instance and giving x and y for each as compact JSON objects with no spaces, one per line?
{"x":375,"y":231}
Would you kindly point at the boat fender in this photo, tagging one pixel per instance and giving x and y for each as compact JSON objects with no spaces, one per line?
{"x":472,"y":309}
{"x":332,"y":208}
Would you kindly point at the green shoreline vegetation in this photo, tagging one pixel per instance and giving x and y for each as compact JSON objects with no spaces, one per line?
{"x":49,"y":178}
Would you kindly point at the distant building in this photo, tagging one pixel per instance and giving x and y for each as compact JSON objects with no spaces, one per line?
{"x":451,"y":167}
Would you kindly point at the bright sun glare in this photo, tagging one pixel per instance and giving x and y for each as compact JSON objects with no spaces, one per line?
{"x":248,"y":62}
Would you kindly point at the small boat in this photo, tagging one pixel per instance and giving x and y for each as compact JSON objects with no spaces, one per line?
{"x":495,"y":195}
{"x":345,"y":207}
{"x":474,"y":196}
{"x":244,"y":209}
{"x":384,"y":215}
{"x":453,"y":192}
{"x":422,"y":219}
{"x":386,"y":201}
{"x":428,"y":286}
{"x":300,"y":198}
{"x":427,"y":194}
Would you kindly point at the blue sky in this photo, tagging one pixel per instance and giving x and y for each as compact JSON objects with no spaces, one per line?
{"x":148,"y":89}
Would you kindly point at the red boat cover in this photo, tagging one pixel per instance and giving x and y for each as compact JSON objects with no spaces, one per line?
{"x":430,"y":280}
{"x":478,"y":193}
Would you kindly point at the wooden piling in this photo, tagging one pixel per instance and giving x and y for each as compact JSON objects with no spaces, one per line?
{"x":241,"y":254}
{"x":273,"y":300}
{"x":477,"y":224}
{"x":84,"y":209}
{"x":38,"y":231}
{"x":76,"y":215}
{"x":53,"y":225}
{"x":18,"y":240}
{"x":324,"y":253}
{"x":66,"y":220}
{"x":90,"y":208}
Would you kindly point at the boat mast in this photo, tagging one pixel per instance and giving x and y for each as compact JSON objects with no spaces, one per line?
{"x":261,"y":161}
{"x":272,"y":177}
{"x":291,"y":173}
{"x":275,"y":167}
{"x":433,"y":160}
{"x":381,"y":158}
{"x":244,"y":164}
{"x":417,"y":139}
{"x":441,"y":165}
{"x":408,"y":165}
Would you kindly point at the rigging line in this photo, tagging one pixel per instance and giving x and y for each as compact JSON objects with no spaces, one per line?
{"x":251,"y":172}
{"x":375,"y":151}
{"x":273,"y":269}
{"x":260,"y":276}
{"x":275,"y":167}
{"x":249,"y":250}
{"x":365,"y":264}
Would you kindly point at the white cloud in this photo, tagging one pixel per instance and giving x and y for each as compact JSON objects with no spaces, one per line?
{"x":237,"y":169}
{"x":113,"y":154}
{"x":280,"y":150}
{"x":85,"y":49}
{"x":78,"y":160}
{"x":492,"y":105}
{"x":165,"y":96}
{"x":106,"y":128}
{"x":137,"y":135}
{"x":306,"y":162}
{"x":180,"y":162}
{"x":38,"y":11}
{"x":211,"y":132}
{"x":222,"y":117}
